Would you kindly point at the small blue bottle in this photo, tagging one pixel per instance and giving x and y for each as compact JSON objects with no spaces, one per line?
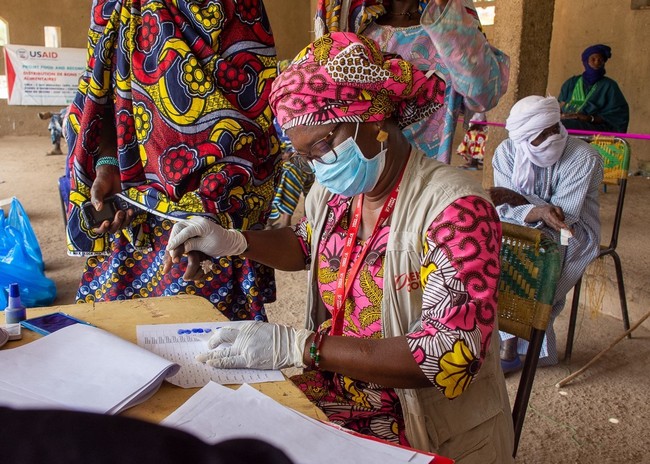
{"x":14,"y":313}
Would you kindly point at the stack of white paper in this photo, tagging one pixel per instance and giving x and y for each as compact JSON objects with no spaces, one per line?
{"x":218,"y":413}
{"x":82,"y":368}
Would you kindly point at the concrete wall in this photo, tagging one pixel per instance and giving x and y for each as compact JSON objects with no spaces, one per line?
{"x":290,"y":20}
{"x":608,"y":21}
{"x":580,"y":23}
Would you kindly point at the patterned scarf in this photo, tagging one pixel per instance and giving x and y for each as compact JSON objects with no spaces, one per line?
{"x":342,"y":77}
{"x":186,"y":86}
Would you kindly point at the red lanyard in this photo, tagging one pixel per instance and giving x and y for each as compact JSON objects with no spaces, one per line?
{"x":345,"y":278}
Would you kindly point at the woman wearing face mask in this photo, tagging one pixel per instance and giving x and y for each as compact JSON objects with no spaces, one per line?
{"x":591,"y":101}
{"x":404,"y":259}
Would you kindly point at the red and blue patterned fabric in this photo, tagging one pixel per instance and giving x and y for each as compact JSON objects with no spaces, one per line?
{"x":186,"y":85}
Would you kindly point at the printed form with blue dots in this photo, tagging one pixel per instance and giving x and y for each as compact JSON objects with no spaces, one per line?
{"x":180,"y":343}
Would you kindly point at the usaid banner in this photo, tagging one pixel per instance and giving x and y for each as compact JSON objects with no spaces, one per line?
{"x":42,"y":76}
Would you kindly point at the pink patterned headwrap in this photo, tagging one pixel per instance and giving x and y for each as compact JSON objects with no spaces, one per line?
{"x":342,"y":77}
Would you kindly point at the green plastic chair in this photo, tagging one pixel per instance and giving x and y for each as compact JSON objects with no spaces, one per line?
{"x":616,"y":157}
{"x":530,"y":268}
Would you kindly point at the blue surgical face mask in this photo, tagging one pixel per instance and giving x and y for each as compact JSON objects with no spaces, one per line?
{"x":352,"y":173}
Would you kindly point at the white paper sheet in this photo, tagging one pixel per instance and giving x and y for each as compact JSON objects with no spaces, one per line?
{"x":83,"y":368}
{"x":217,"y":413}
{"x":172,"y":342}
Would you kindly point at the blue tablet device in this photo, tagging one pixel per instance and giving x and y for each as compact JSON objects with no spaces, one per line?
{"x":49,"y":323}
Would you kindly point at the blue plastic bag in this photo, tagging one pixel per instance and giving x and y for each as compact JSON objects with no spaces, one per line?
{"x":21,"y":260}
{"x":18,"y":220}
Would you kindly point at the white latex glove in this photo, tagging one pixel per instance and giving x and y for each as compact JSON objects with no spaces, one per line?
{"x":201,"y":234}
{"x":257,"y":345}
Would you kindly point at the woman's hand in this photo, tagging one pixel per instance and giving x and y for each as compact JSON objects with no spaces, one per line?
{"x":108,"y":183}
{"x":198,"y":264}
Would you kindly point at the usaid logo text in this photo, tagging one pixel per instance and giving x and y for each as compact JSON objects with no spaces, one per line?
{"x":36,"y":54}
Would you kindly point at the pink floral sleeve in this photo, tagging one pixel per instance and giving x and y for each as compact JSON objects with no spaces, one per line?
{"x":459,"y":275}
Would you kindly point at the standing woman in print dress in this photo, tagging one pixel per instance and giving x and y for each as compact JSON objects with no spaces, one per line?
{"x":438,"y":36}
{"x":173,"y":111}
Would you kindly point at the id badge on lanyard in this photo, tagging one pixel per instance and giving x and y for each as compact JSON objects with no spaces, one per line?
{"x":345,"y":279}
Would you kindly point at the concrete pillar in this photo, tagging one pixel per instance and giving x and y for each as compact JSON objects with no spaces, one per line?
{"x":291,"y":22}
{"x":522,"y":29}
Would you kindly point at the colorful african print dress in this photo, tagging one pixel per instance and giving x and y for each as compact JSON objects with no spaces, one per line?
{"x":472,"y":148}
{"x":449,"y":262}
{"x":448,"y":43}
{"x":186,"y":85}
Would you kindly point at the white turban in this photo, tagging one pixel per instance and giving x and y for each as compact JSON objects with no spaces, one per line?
{"x":528,"y":118}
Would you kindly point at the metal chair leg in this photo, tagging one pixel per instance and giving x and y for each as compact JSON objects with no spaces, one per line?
{"x":65,"y":213}
{"x":621,"y":290}
{"x":572,"y":320}
{"x":526,"y":384}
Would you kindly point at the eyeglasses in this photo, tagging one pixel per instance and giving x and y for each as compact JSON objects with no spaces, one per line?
{"x":320,"y":152}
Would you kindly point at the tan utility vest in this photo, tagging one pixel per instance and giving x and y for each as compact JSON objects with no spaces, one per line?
{"x":476,"y":427}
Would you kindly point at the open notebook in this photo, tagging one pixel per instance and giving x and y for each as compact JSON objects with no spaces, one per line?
{"x":82,"y":368}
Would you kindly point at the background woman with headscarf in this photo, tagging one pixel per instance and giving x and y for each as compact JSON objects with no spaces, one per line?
{"x":173,"y":111}
{"x":591,"y":101}
{"x":437,"y":36}
{"x":403,"y":253}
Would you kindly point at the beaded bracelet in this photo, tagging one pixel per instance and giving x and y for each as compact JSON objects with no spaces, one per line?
{"x":106,"y":160}
{"x":314,"y":350}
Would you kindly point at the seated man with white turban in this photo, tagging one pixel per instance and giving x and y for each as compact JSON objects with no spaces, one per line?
{"x":545,"y":179}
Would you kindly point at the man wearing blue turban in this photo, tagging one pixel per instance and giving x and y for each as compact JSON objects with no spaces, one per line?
{"x":591,"y":101}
